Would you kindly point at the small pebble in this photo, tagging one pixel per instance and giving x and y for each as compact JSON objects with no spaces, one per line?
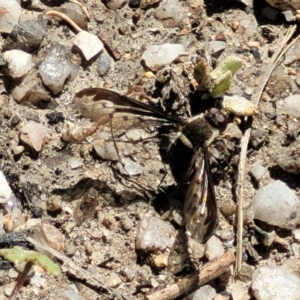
{"x":160,"y":55}
{"x":216,"y":46}
{"x":55,"y":117}
{"x":205,"y":292}
{"x":105,"y":150}
{"x":88,"y":43}
{"x":75,"y":163}
{"x":34,"y":135}
{"x":154,"y":234}
{"x":275,"y":283}
{"x":132,"y":168}
{"x":18,"y":62}
{"x":57,"y":67}
{"x":276,"y":204}
{"x":170,"y":13}
{"x":129,"y":273}
{"x":30,"y":32}
{"x":214,"y":248}
{"x":12,"y":273}
{"x":291,"y":105}
{"x":126,"y":224}
{"x":104,"y":64}
{"x":6,"y":191}
{"x":228,"y":208}
{"x":258,"y":170}
{"x":10,"y":14}
{"x":114,"y":280}
{"x":296,"y":233}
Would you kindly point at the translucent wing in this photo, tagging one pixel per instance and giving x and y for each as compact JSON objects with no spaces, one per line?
{"x":200,"y":208}
{"x":104,"y":107}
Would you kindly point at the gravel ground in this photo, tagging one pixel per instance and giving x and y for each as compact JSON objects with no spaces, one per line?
{"x":91,"y":210}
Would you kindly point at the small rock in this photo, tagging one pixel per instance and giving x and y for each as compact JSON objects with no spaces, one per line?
{"x":296,"y":233}
{"x":34,"y":135}
{"x":104,"y":64}
{"x":30,"y":32}
{"x":154,"y":234}
{"x":10,"y":14}
{"x":228,"y":208}
{"x":288,"y":15}
{"x":57,"y":67}
{"x":18,"y":62}
{"x":71,"y":132}
{"x":105,"y":150}
{"x":206,"y":292}
{"x":114,"y":280}
{"x":275,"y":283}
{"x":53,"y":204}
{"x":146,"y":3}
{"x":126,"y":224}
{"x":17,"y":150}
{"x":292,"y":54}
{"x":216,"y":46}
{"x":136,"y":134}
{"x":214,"y":248}
{"x":5,"y":191}
{"x":15,"y":120}
{"x":32,"y":116}
{"x":291,"y":104}
{"x":88,"y":43}
{"x":285,"y":4}
{"x":248,"y":26}
{"x":258,"y":170}
{"x":159,"y":55}
{"x":270,"y":240}
{"x":115,"y":4}
{"x":239,"y":291}
{"x":8,"y":288}
{"x":32,"y":222}
{"x":75,"y":163}
{"x":50,"y":235}
{"x":232,"y":131}
{"x":31,"y":89}
{"x":170,"y":13}
{"x":129,"y":273}
{"x":276,"y":204}
{"x":70,"y":249}
{"x":70,"y":292}
{"x":12,"y":273}
{"x":197,"y":249}
{"x":132,"y":168}
{"x":55,"y":117}
{"x":160,"y":260}
{"x":38,"y":280}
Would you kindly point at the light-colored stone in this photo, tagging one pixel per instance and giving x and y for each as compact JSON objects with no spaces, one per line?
{"x":214,"y":248}
{"x":88,"y":43}
{"x":10,"y":11}
{"x":5,"y":190}
{"x":18,"y":62}
{"x":34,"y":135}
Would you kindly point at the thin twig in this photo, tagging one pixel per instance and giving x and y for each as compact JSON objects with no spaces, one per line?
{"x":210,"y":271}
{"x":62,"y":16}
{"x":244,"y":142}
{"x":74,"y":269}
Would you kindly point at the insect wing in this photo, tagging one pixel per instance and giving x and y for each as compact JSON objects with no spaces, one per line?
{"x":103,"y":106}
{"x":200,"y":208}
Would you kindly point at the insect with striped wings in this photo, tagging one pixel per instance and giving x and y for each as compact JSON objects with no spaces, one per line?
{"x":187,"y":154}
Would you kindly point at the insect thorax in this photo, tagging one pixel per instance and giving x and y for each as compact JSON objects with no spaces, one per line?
{"x":198,"y":132}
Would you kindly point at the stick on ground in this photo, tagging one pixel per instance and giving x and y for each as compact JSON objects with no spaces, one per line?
{"x":210,"y":271}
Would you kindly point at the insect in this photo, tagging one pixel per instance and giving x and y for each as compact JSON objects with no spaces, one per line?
{"x":187,"y":154}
